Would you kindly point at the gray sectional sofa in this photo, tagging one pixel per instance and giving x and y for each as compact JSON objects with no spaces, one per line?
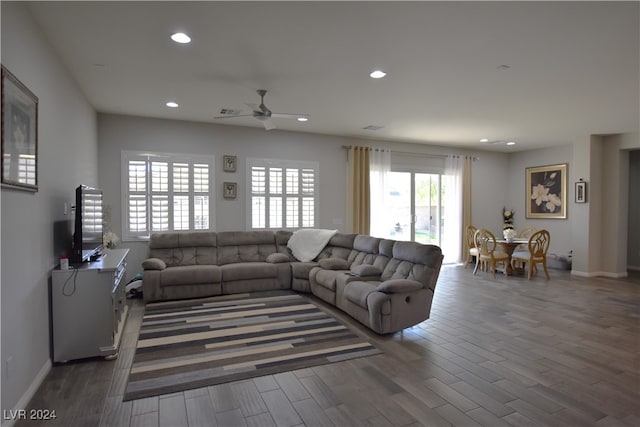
{"x":386,"y":285}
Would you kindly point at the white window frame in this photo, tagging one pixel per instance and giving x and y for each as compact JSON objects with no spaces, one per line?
{"x":300,"y":195}
{"x":171,"y":158}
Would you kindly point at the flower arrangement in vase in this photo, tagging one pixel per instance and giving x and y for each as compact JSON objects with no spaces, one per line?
{"x":507,"y":229}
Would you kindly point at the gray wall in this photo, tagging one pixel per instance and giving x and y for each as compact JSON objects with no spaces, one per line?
{"x":67,"y":156}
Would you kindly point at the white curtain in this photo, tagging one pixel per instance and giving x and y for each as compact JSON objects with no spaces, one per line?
{"x":453,"y":177}
{"x":379,"y":170}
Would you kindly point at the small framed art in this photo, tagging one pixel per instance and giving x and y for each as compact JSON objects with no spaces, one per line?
{"x":229,"y":163}
{"x":230,"y":190}
{"x":581,"y":192}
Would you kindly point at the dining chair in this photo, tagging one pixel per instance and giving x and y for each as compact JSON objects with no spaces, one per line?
{"x":536,"y":253}
{"x":488,"y":252}
{"x":472,"y":251}
{"x":524,"y":233}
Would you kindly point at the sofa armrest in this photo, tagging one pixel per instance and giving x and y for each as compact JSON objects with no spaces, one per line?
{"x":277,"y":258}
{"x":154,"y":264}
{"x":395,"y":286}
{"x":334,"y":264}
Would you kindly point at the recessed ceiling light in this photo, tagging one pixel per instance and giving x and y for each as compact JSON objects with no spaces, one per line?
{"x":172,"y":104}
{"x":303,"y":119}
{"x":180,"y":38}
{"x":377,"y":74}
{"x":511,"y":143}
{"x":484,"y":140}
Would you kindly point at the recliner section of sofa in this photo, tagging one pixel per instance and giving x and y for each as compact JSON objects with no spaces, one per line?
{"x":401,"y":296}
{"x":386,"y":285}
{"x":182,"y":265}
{"x":243,"y":255}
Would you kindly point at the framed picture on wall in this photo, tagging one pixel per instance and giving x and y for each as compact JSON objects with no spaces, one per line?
{"x":229,"y":163}
{"x":229,"y":190}
{"x":19,"y":134}
{"x":546,"y":191}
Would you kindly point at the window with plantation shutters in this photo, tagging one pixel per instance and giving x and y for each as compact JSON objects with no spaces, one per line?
{"x":166,"y":192}
{"x":283,"y":194}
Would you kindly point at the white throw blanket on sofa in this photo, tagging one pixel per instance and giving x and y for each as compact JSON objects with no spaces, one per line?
{"x":307,"y":243}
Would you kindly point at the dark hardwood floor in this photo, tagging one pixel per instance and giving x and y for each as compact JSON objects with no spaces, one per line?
{"x":496,"y":352}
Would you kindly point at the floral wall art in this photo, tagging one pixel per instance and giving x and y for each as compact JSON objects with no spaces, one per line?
{"x":546,"y":191}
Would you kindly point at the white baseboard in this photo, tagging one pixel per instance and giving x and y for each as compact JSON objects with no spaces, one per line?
{"x":599,"y":274}
{"x":24,"y":401}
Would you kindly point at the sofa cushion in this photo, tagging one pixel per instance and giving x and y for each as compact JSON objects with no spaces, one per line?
{"x":248,"y":270}
{"x":368,"y":244}
{"x":326,"y":278}
{"x":190,"y":275}
{"x":358,"y":291}
{"x":334,"y":264}
{"x":340,"y":246}
{"x":417,"y":253}
{"x":301,"y":270}
{"x":193,"y":255}
{"x":365,"y":270}
{"x":171,"y":240}
{"x":282,"y":238}
{"x":153,"y":264}
{"x":386,"y":247}
{"x":399,"y":285}
{"x":245,"y":246}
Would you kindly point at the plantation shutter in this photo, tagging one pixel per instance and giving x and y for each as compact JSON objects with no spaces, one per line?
{"x":283,"y":194}
{"x":165,"y":193}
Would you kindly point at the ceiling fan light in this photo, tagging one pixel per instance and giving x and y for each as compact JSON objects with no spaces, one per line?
{"x":377,"y":74}
{"x":180,"y":38}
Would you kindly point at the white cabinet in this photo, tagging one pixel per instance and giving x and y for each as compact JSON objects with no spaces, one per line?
{"x":89,"y":308}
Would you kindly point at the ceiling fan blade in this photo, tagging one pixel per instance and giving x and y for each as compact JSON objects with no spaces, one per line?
{"x":290,"y":116}
{"x":268,"y":124}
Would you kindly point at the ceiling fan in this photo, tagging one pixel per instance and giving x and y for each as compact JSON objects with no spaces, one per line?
{"x":262,"y":113}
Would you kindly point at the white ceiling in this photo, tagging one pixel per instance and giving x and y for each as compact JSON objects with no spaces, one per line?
{"x":573,"y":66}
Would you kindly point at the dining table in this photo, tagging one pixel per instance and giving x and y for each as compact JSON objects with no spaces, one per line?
{"x":508,"y":247}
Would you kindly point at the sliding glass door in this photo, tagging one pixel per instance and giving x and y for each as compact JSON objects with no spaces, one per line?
{"x":416,"y":207}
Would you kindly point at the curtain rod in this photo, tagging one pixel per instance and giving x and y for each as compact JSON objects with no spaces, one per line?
{"x":436,"y":156}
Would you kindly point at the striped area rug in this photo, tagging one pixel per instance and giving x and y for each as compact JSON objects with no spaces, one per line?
{"x":195,"y":343}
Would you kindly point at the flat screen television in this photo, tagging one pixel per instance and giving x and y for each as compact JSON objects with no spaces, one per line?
{"x":87,"y":236}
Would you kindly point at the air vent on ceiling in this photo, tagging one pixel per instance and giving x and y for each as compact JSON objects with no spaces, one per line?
{"x":373,"y":127}
{"x":229,"y":112}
